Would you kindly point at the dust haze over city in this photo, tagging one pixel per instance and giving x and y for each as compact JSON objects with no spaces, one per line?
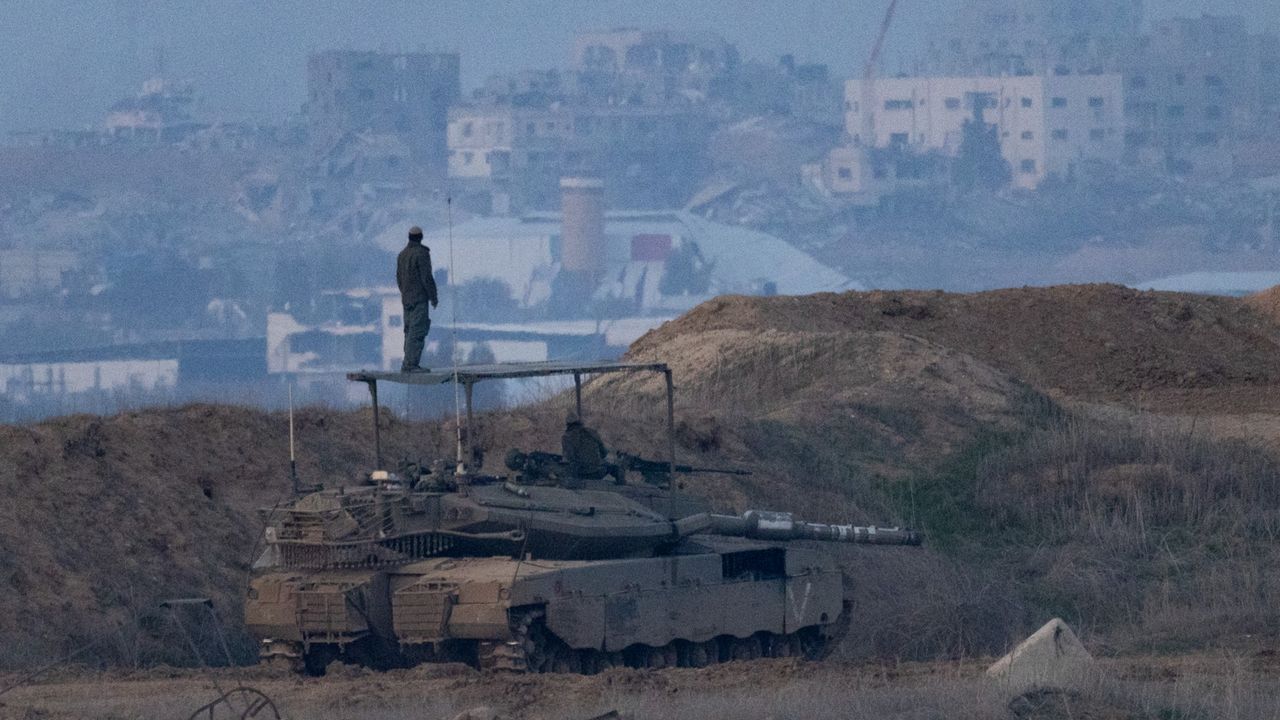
{"x":181,"y":174}
{"x":575,"y":347}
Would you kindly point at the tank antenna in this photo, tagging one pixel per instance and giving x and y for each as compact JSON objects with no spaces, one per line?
{"x":293,"y":460}
{"x":453,"y":335}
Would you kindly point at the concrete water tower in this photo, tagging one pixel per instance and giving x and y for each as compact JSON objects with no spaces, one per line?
{"x":582,"y":243}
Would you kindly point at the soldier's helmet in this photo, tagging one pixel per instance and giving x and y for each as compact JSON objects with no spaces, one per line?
{"x":515,"y":460}
{"x":571,"y":418}
{"x":415,"y":232}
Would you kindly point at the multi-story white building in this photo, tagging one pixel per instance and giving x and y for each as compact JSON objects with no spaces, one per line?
{"x":1047,"y":124}
{"x":647,"y":67}
{"x":489,"y":141}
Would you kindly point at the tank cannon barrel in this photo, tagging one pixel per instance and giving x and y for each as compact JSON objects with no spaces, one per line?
{"x":766,"y":525}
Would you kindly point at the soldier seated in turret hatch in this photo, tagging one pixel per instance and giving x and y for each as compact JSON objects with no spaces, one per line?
{"x":583,"y":451}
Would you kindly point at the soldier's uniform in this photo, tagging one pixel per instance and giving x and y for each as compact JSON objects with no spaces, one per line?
{"x":583,"y":451}
{"x":417,"y":294}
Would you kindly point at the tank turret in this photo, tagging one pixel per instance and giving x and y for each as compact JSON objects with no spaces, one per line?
{"x":542,"y":570}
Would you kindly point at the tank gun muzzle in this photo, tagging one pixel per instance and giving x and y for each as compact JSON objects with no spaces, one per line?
{"x":767,"y":525}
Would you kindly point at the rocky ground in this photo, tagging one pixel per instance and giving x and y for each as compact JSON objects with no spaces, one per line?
{"x":1202,"y":686}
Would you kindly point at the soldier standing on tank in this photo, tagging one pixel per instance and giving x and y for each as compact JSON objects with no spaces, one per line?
{"x":417,"y":289}
{"x":582,"y":449}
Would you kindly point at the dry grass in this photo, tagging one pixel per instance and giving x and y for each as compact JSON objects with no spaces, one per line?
{"x":1205,"y":688}
{"x":1156,"y":538}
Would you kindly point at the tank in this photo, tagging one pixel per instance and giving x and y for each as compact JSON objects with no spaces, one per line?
{"x":539,"y":570}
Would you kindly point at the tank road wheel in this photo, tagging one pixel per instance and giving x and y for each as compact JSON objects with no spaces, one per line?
{"x":778,"y":646}
{"x":813,"y":644}
{"x":539,"y":654}
{"x":294,"y":665}
{"x":600,"y":661}
{"x":592,"y":661}
{"x":317,"y":657}
{"x":711,"y":649}
{"x":746,"y":648}
{"x":565,"y":659}
{"x":656,"y":658}
{"x":717,"y":651}
{"x":683,"y":648}
{"x":531,"y":648}
{"x":795,"y":648}
{"x":698,"y":656}
{"x":768,"y":645}
{"x":559,"y":661}
{"x":833,"y":634}
{"x":502,"y":656}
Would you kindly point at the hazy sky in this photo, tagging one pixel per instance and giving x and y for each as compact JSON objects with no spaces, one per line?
{"x":66,"y":61}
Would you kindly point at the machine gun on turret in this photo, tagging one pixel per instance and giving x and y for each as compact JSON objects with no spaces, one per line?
{"x":658,"y":472}
{"x":537,"y":467}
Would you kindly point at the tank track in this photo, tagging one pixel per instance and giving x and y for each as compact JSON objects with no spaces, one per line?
{"x":535,"y":649}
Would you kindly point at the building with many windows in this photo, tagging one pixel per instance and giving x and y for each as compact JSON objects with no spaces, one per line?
{"x":1047,"y":124}
{"x":652,"y":67}
{"x":1025,"y":37}
{"x":1194,"y":82}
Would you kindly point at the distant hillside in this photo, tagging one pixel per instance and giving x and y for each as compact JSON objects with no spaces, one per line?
{"x":1090,"y":341}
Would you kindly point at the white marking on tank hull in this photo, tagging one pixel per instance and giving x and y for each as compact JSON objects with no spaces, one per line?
{"x":804,"y":603}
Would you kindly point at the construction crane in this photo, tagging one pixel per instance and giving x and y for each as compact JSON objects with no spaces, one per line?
{"x":866,"y":135}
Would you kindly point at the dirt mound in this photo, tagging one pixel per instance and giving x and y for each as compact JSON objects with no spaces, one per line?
{"x":1090,"y":341}
{"x":104,"y":517}
{"x":847,"y":407}
{"x":1266,"y":302}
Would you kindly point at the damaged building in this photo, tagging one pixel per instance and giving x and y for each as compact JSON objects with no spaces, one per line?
{"x":1034,"y":37}
{"x":1193,"y":85}
{"x":651,"y":156}
{"x":403,"y":95}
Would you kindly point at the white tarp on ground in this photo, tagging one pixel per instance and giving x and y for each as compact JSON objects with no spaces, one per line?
{"x":1053,"y":657}
{"x":1214,"y":283}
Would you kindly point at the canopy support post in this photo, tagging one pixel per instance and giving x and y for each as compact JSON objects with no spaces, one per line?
{"x":467,"y":387}
{"x":671,"y":420}
{"x":577,"y":394}
{"x":377,"y":430}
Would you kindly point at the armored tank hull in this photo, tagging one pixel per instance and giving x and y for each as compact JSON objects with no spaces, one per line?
{"x":711,"y":600}
{"x":543,"y":569}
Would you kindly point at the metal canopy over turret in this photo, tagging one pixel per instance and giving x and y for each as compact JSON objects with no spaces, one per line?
{"x":506,"y":371}
{"x":468,"y":375}
{"x":535,"y":572}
